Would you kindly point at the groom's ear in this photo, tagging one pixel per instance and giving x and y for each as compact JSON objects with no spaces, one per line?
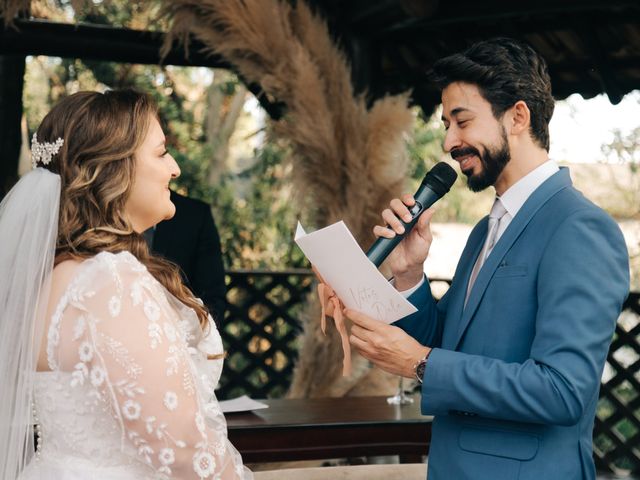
{"x":518,"y":119}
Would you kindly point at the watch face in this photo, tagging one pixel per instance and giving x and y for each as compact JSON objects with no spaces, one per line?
{"x":420,"y":370}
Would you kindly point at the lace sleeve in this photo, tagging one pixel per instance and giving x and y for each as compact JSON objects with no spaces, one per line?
{"x":121,"y":338}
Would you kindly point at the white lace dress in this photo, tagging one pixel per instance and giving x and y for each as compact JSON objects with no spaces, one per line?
{"x":130,"y":394}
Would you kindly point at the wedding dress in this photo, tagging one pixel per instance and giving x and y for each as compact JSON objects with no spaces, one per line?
{"x":130,"y":394}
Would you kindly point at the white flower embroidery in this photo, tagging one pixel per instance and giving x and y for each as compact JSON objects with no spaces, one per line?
{"x":53,"y":336}
{"x":114,"y":306}
{"x":220,"y":448}
{"x":131,"y":410}
{"x":116,"y":386}
{"x":98,"y":376}
{"x":154,"y":333}
{"x":144,"y":450}
{"x":85,"y":352}
{"x":204,"y":464}
{"x":171,"y":401}
{"x":200,"y":423}
{"x":149,"y":421}
{"x":136,"y":293}
{"x":166,"y":456}
{"x":151,"y":310}
{"x":173,"y":361}
{"x":170,"y":331}
{"x":80,"y":372}
{"x":184,"y":327}
{"x":78,"y":329}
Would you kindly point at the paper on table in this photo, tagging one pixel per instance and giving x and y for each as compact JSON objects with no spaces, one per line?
{"x":356,"y":281}
{"x":241,"y":404}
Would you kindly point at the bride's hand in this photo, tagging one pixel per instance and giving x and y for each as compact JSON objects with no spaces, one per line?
{"x":325,"y":293}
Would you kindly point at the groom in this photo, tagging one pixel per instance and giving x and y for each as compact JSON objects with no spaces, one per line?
{"x":510,"y":359}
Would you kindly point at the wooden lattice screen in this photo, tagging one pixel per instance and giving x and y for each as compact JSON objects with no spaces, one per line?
{"x":260,"y":331}
{"x":262,"y":324}
{"x":616,"y":435}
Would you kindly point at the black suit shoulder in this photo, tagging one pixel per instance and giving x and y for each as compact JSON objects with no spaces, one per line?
{"x":191,"y":240}
{"x":187,"y":207}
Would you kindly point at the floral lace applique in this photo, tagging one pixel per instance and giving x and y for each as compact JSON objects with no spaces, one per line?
{"x":127,"y":343}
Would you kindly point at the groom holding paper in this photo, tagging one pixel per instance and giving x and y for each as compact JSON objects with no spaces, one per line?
{"x":510,"y":359}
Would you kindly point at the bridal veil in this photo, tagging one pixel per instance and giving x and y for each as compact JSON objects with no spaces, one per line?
{"x":28,"y":233}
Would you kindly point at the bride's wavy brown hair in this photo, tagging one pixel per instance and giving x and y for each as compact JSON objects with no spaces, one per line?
{"x":96,"y":164}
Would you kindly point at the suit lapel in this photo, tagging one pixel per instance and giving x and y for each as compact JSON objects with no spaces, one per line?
{"x":538,"y":198}
{"x":462,"y":276}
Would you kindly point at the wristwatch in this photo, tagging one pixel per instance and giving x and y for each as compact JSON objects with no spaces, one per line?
{"x":418,"y":368}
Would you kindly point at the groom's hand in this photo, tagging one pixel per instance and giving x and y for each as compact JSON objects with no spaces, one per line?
{"x":407,"y":259}
{"x":389,"y":347}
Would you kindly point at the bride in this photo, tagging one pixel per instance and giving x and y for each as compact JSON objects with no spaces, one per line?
{"x":101,"y":345}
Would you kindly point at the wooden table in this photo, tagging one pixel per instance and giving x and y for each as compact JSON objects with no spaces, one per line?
{"x":312,"y":429}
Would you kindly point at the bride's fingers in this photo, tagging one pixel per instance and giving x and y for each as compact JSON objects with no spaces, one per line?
{"x":329,"y":309}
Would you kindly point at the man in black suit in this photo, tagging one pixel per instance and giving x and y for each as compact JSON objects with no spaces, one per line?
{"x":190,"y":239}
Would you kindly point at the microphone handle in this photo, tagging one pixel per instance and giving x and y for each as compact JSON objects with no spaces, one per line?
{"x":382,"y":247}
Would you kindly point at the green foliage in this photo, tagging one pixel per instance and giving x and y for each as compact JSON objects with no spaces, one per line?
{"x":624,"y":201}
{"x":624,"y":148}
{"x":251,"y":207}
{"x":624,"y":428}
{"x":254,"y":214}
{"x":425,"y":147}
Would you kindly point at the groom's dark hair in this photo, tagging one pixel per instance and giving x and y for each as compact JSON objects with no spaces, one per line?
{"x":505,"y":71}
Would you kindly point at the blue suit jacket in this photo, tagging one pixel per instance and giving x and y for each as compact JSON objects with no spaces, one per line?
{"x":514,"y":376}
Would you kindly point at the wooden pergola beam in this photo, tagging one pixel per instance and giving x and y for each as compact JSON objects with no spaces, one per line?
{"x":483,"y":14}
{"x":98,"y":42}
{"x":113,"y":44}
{"x":90,"y":42}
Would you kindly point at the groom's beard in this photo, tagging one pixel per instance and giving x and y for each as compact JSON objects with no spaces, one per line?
{"x":493,"y":161}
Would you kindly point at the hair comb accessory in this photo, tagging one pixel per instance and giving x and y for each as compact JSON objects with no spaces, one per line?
{"x":43,"y":152}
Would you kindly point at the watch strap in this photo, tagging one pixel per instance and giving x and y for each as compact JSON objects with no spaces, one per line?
{"x":420,"y":367}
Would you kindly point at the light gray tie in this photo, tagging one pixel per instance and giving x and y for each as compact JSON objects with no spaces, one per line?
{"x":496,"y":214}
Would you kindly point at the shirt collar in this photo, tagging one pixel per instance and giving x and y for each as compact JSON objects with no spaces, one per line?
{"x":517,"y":194}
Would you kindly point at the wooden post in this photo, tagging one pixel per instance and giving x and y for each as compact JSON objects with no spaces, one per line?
{"x":11,"y":83}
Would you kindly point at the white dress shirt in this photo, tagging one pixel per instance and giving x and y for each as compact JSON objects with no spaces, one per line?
{"x":513,"y":199}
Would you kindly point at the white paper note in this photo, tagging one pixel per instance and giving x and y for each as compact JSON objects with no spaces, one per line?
{"x":241,"y":404}
{"x":357,"y":282}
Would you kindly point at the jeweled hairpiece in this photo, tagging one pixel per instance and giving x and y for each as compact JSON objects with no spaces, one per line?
{"x":43,"y":152}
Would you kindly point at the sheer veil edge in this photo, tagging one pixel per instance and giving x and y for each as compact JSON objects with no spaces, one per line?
{"x":28,"y":234}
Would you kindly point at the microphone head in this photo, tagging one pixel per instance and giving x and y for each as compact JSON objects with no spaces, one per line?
{"x":440,"y":178}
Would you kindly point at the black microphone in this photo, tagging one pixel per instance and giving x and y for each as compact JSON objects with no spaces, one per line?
{"x":435,"y":184}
